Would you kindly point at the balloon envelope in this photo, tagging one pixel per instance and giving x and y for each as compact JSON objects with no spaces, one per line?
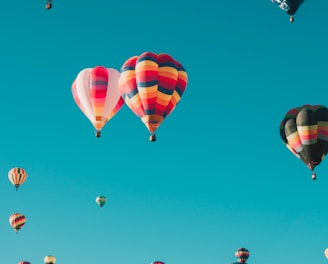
{"x":157,"y":262}
{"x":49,"y":259}
{"x":96,"y":93}
{"x":242,"y":255}
{"x":326,"y":253}
{"x":289,"y":6}
{"x":101,"y":200}
{"x":17,"y":221}
{"x":17,"y":176}
{"x":24,"y":262}
{"x":304,"y":130}
{"x":152,"y":86}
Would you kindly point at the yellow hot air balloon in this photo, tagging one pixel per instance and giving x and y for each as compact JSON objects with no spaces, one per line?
{"x":17,"y":176}
{"x":49,"y":259}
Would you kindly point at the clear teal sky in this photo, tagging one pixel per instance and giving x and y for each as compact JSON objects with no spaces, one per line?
{"x":217,"y":178}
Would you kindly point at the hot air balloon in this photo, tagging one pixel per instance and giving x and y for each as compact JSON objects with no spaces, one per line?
{"x":17,"y":221}
{"x":152,"y":86}
{"x":157,"y":262}
{"x":95,"y":91}
{"x":326,"y":253}
{"x":17,"y":176}
{"x":289,"y":6}
{"x":242,"y":255}
{"x":304,"y":130}
{"x":48,"y":4}
{"x":49,"y":259}
{"x":101,"y":200}
{"x":24,"y":262}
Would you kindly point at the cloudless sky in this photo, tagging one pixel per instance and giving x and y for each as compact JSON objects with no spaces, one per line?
{"x":218,"y":177}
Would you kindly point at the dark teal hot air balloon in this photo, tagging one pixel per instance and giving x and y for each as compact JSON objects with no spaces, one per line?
{"x":304,"y":130}
{"x":289,"y":6}
{"x":101,"y":200}
{"x":242,"y":255}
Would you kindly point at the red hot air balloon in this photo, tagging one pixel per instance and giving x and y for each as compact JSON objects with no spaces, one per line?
{"x":304,"y":130}
{"x":157,"y":262}
{"x":242,"y":255}
{"x":96,"y":93}
{"x":17,"y":221}
{"x":152,"y":86}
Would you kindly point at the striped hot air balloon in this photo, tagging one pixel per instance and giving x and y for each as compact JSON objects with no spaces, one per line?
{"x":17,"y":221}
{"x":96,"y":93}
{"x":49,"y":259}
{"x":17,"y":176}
{"x":304,"y":130}
{"x":101,"y":200}
{"x":152,"y":86}
{"x":242,"y":255}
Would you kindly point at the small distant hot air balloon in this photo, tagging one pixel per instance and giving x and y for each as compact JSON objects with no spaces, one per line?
{"x":96,"y":93}
{"x":289,"y":6}
{"x":17,"y":221}
{"x":152,"y":86}
{"x":101,"y":200}
{"x":24,"y":262}
{"x":157,"y":262}
{"x":242,"y":255}
{"x":304,"y":130}
{"x":49,"y":259}
{"x":17,"y":176}
{"x":48,"y":4}
{"x":326,"y":253}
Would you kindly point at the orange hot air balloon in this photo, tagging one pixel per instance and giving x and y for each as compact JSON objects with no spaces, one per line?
{"x":96,"y":93}
{"x":17,"y":221}
{"x":17,"y":176}
{"x":152,"y":86}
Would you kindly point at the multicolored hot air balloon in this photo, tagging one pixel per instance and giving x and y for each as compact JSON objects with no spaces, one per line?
{"x":242,"y":255}
{"x":24,"y":262}
{"x":289,"y":6}
{"x":17,"y":176}
{"x":152,"y":86}
{"x":304,"y":130}
{"x":49,"y":259}
{"x":17,"y":221}
{"x":96,"y":93}
{"x":101,"y":200}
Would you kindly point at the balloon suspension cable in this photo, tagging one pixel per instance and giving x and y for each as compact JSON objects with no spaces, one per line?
{"x":152,"y":137}
{"x":16,"y":186}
